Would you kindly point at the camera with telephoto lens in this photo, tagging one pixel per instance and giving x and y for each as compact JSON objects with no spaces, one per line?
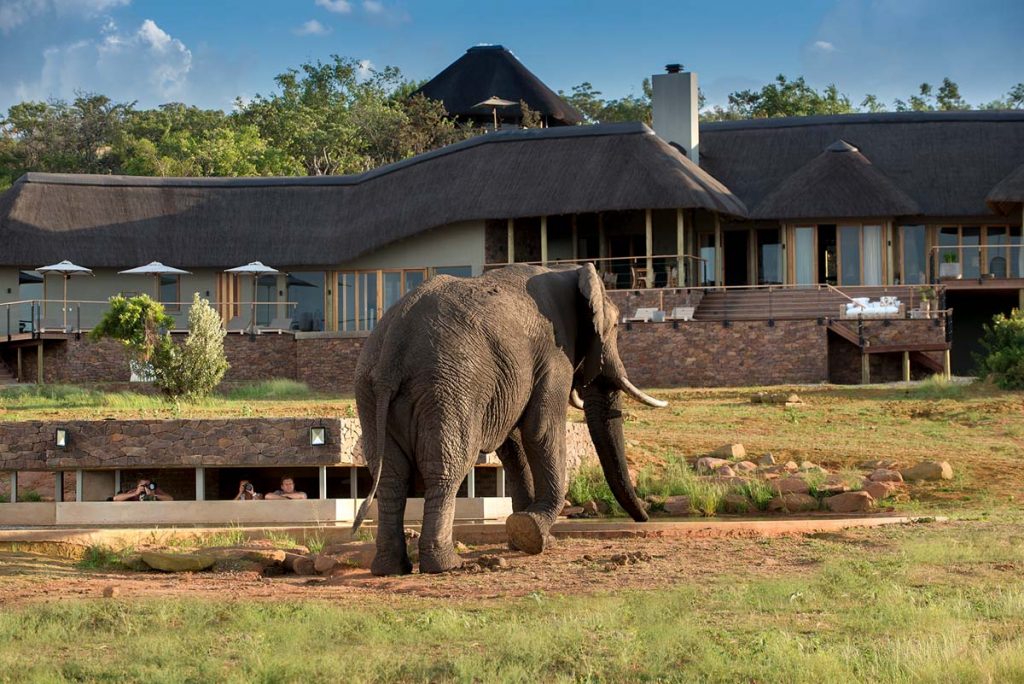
{"x":248,"y":487}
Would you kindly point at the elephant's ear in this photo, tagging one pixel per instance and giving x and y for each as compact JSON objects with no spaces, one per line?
{"x":602,"y":319}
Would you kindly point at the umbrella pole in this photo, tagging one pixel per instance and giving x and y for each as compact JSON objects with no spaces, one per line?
{"x":495,"y":112}
{"x":65,"y":308}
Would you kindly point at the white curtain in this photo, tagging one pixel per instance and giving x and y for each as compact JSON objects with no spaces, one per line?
{"x":872,"y":255}
{"x":804,"y":255}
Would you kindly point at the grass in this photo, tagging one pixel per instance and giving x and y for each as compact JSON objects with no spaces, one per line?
{"x":102,"y":557}
{"x":271,"y":390}
{"x":929,"y":603}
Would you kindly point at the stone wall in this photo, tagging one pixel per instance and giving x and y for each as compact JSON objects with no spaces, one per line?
{"x":327,"y":361}
{"x":708,"y":354}
{"x":844,"y":357}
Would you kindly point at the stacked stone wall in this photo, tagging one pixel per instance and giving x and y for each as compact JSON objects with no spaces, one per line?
{"x":327,"y":363}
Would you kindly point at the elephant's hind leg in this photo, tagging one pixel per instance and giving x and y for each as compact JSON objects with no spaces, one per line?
{"x":392,"y":558}
{"x":517,"y":471}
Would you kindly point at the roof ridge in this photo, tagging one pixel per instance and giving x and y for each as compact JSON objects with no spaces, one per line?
{"x":974,"y":115}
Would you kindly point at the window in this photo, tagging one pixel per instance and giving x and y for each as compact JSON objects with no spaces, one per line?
{"x":803,"y":255}
{"x":364,"y":296}
{"x":266,"y":298}
{"x":170,"y":286}
{"x":457,"y":271}
{"x":709,"y":264}
{"x":914,"y":241}
{"x":860,"y":255}
{"x":769,"y":257}
{"x":306,"y":290}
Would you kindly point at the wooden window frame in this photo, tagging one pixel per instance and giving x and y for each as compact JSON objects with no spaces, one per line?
{"x":175,"y":306}
{"x":360,"y":317}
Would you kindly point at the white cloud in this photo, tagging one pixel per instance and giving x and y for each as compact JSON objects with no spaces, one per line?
{"x":312,"y":28}
{"x":336,"y":6}
{"x":823,"y":46}
{"x":14,"y":13}
{"x":146,"y":65}
{"x":364,"y":69}
{"x":373,"y":6}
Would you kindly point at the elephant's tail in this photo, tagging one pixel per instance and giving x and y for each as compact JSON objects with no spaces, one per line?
{"x":376,"y":459}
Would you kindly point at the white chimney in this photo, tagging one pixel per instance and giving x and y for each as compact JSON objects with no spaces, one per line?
{"x":674,"y":104}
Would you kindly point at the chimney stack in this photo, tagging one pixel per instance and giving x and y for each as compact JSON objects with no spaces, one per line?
{"x":674,"y":105}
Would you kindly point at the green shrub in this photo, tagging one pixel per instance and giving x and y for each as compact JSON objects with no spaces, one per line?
{"x":101,"y":557}
{"x":136,"y":322}
{"x":759,"y":491}
{"x":1003,"y":357}
{"x":677,"y":478}
{"x":30,"y":496}
{"x":192,"y":370}
{"x":589,"y":485}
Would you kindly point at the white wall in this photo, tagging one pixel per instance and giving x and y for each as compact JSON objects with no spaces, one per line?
{"x":457,"y":244}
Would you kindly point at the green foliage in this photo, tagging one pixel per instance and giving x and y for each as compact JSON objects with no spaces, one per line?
{"x":193,"y":370}
{"x":589,"y":484}
{"x":595,"y":109}
{"x":101,"y":557}
{"x":315,"y":542}
{"x":758,"y":491}
{"x":1003,"y":345}
{"x":31,"y":496}
{"x":136,"y":322}
{"x":233,"y":536}
{"x":280,"y":388}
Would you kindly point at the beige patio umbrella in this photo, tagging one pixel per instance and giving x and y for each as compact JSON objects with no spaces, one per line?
{"x":155,"y":269}
{"x":256,"y":269}
{"x":68,"y":270}
{"x":494,"y":102}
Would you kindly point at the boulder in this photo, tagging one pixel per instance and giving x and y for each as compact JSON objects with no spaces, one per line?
{"x":807,"y":465}
{"x":590,"y":508}
{"x":566,"y":504}
{"x":677,"y":505}
{"x":731,"y":451}
{"x":602,"y":507}
{"x":571,"y":511}
{"x":736,"y":503}
{"x":178,"y":562}
{"x":791,"y":466}
{"x":881,"y":490}
{"x":766,"y":460}
{"x":833,"y":484}
{"x":300,"y":565}
{"x":790,"y":485}
{"x":793,"y":503}
{"x":850,"y":502}
{"x":323,"y":564}
{"x":265,"y":557}
{"x":111,"y":591}
{"x":725,"y":471}
{"x":886,"y":463}
{"x":929,"y":470}
{"x":708,"y":464}
{"x":744,"y":467}
{"x":885,"y":475}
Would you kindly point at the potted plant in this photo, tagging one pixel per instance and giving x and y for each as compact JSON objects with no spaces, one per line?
{"x":950,"y":266}
{"x":927,"y":296}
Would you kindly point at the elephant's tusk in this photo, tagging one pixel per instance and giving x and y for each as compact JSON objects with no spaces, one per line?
{"x":634,"y":392}
{"x":574,"y":400}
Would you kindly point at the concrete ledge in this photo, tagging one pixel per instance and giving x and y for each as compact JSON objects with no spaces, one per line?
{"x":28,"y":514}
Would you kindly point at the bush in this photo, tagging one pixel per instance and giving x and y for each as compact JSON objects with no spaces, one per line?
{"x":1003,"y":358}
{"x":192,"y":371}
{"x":136,"y":322}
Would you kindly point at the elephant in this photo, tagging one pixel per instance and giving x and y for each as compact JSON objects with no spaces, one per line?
{"x":461,"y":366}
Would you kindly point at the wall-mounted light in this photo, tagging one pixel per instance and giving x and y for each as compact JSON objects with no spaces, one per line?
{"x":317,"y":436}
{"x":60,"y":438}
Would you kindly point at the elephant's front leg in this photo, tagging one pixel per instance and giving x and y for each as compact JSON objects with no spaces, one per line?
{"x":543,"y":437}
{"x":392,"y":557}
{"x":517,"y":471}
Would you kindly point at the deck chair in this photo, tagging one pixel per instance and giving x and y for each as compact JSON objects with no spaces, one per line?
{"x":643,"y":315}
{"x":640,"y":278}
{"x":238,"y":324}
{"x":279,"y":325}
{"x":681,"y":313}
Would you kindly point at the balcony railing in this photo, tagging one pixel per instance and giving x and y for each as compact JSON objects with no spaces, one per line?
{"x":33,"y":317}
{"x":986,"y":261}
{"x":631,"y":272}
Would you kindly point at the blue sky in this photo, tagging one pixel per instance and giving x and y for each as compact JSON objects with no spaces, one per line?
{"x":207,"y":52}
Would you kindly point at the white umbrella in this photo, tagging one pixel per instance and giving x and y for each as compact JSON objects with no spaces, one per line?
{"x":68,"y":270}
{"x":155,"y":269}
{"x":494,"y":102}
{"x":256,"y":269}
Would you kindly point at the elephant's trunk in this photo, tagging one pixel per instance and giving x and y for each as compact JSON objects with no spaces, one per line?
{"x":603,"y":409}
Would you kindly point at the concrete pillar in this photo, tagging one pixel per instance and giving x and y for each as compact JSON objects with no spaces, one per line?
{"x":511,"y":241}
{"x":500,"y":479}
{"x":79,"y":485}
{"x":680,"y":248}
{"x":865,"y":369}
{"x":39,"y":363}
{"x":14,"y":486}
{"x":544,"y":240}
{"x":58,"y":487}
{"x":200,"y":484}
{"x":353,"y":485}
{"x":1020,"y":305}
{"x":471,"y":483}
{"x":649,"y":246}
{"x":323,"y":482}
{"x":906,"y":366}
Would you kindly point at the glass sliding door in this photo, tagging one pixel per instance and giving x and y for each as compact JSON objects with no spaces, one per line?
{"x":996,"y":240}
{"x":1015,"y":254}
{"x":970,"y":240}
{"x":769,"y":257}
{"x":803,"y":255}
{"x":849,"y":255}
{"x":913,"y":240}
{"x":709,"y":262}
{"x":871,"y":248}
{"x":348,"y":320}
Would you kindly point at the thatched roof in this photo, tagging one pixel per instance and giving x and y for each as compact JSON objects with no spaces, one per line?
{"x":947,"y":162}
{"x":491,"y":70}
{"x":1008,"y":193}
{"x":838,"y":183}
{"x":121,"y":221}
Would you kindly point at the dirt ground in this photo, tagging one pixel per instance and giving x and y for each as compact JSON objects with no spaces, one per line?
{"x":573,"y":566}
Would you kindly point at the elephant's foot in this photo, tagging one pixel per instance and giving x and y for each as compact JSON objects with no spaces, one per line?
{"x":549,"y":542}
{"x":390,"y":564}
{"x":525,"y":532}
{"x":437,"y":559}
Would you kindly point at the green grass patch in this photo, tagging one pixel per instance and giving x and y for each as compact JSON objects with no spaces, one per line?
{"x":271,"y":389}
{"x":102,"y":557}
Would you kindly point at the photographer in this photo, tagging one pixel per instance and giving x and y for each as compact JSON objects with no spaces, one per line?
{"x":287,"y":490}
{"x":246,"y":492}
{"x":145,"y":490}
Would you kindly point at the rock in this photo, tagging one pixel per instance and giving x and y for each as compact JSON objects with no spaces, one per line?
{"x":492,"y":562}
{"x":885,"y":475}
{"x":677,"y":505}
{"x":736,"y":503}
{"x":793,"y":503}
{"x":178,"y":562}
{"x":572,"y":511}
{"x":886,"y":463}
{"x":790,"y":485}
{"x":850,"y":502}
{"x":265,"y":557}
{"x":833,"y":484}
{"x":111,"y":591}
{"x":881,"y":490}
{"x":323,"y":564}
{"x":303,"y":565}
{"x":766,"y":460}
{"x":791,"y":466}
{"x":135,"y":563}
{"x":807,"y":465}
{"x":725,"y":471}
{"x":735,"y":481}
{"x":929,"y":470}
{"x":708,"y":464}
{"x":731,"y":451}
{"x":603,"y":508}
{"x":744,"y":467}
{"x":590,"y":508}
{"x":566,"y":504}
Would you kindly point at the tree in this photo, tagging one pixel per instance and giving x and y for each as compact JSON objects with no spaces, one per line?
{"x":530,"y":118}
{"x":948,"y":97}
{"x":872,"y":104}
{"x":1003,"y":345}
{"x":193,"y":370}
{"x":139,"y":323}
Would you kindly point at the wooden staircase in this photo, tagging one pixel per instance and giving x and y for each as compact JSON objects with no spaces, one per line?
{"x":7,"y":376}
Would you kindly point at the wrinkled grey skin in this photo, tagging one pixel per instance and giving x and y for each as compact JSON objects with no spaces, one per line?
{"x":463,"y":366}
